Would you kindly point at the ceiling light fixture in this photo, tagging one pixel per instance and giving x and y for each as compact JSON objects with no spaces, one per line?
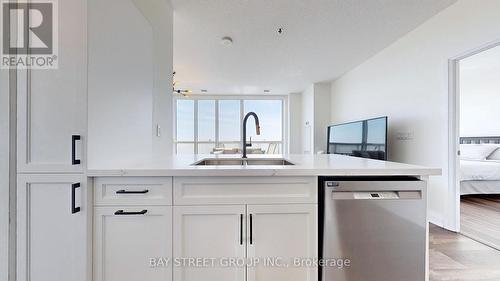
{"x":183,"y":92}
{"x":227,"y":41}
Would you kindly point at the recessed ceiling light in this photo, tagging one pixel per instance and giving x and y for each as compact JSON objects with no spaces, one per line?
{"x":226,"y":41}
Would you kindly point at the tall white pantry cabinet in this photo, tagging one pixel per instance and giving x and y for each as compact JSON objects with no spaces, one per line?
{"x":53,"y":236}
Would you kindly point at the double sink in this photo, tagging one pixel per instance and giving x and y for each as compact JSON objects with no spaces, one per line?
{"x":243,"y":162}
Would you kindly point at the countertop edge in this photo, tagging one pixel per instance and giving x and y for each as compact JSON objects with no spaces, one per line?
{"x":259,"y":172}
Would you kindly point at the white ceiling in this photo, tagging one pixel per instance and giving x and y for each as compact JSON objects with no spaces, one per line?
{"x":322,"y":40}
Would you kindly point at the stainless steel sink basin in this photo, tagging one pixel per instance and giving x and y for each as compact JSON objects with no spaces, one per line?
{"x":241,"y":162}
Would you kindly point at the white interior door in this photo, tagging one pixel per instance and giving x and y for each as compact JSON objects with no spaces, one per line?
{"x":278,"y":234}
{"x":209,"y":232}
{"x":127,"y":238}
{"x":52,"y":104}
{"x":52,"y":232}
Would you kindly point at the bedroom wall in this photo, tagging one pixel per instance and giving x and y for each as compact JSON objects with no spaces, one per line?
{"x":408,"y":81}
{"x":480,"y":94}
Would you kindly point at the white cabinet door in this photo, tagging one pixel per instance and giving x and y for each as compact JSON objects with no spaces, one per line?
{"x":52,"y":104}
{"x":209,"y":232}
{"x":52,"y":228}
{"x":281,"y":233}
{"x":128,"y":239}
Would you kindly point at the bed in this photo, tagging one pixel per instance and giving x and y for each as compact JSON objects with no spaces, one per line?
{"x":480,"y":169}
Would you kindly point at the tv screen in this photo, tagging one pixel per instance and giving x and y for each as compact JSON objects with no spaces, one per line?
{"x":365,"y":138}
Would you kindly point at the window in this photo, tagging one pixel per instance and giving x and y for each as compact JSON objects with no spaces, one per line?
{"x":206,"y":125}
{"x":185,"y":120}
{"x":184,"y":126}
{"x":229,"y":121}
{"x":270,"y":116}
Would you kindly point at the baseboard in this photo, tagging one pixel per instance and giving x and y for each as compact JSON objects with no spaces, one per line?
{"x":436,"y":218}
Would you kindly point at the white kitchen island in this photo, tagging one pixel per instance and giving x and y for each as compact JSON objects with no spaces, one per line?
{"x":172,"y":220}
{"x":154,"y":220}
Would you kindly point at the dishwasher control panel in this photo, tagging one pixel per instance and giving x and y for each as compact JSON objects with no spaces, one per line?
{"x":376,"y":195}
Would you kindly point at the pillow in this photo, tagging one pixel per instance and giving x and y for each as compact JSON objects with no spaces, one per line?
{"x":495,"y":155}
{"x":477,"y":151}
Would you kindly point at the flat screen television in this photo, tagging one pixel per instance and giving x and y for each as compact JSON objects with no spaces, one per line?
{"x":364,"y":138}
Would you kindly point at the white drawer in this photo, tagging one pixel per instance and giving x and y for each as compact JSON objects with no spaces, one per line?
{"x":133,"y":191}
{"x":244,"y":190}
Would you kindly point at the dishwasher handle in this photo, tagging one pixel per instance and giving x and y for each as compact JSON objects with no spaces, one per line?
{"x":377,"y":195}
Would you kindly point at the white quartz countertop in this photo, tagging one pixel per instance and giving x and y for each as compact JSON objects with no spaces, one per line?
{"x":305,"y":165}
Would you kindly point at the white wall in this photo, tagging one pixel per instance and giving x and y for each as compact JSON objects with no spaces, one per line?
{"x":480,"y":94}
{"x":295,"y":123}
{"x":130,"y":80}
{"x":307,"y":124}
{"x":408,"y":81}
{"x":321,"y":115}
{"x":160,"y":15}
{"x":315,"y":117}
{"x":4,"y":174}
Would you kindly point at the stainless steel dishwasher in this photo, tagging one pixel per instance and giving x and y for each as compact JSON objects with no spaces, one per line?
{"x":377,"y":224}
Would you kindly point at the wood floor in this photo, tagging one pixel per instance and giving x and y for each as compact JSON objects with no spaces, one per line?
{"x":480,"y":218}
{"x":454,"y":257}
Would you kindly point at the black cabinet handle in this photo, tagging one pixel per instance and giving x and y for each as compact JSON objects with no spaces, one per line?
{"x":123,"y":213}
{"x":123,"y":191}
{"x":241,"y":229}
{"x":74,"y":209}
{"x":74,"y":138}
{"x":251,"y":229}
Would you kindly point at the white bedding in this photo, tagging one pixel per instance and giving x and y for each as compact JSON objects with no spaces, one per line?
{"x":480,"y":170}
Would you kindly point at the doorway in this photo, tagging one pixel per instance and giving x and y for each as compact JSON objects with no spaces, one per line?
{"x":474,"y":194}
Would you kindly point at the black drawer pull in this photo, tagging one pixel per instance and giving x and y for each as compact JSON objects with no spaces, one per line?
{"x":123,"y":191}
{"x":74,"y":209}
{"x":251,"y":229}
{"x":123,"y":213}
{"x":241,"y":229}
{"x":74,"y":138}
